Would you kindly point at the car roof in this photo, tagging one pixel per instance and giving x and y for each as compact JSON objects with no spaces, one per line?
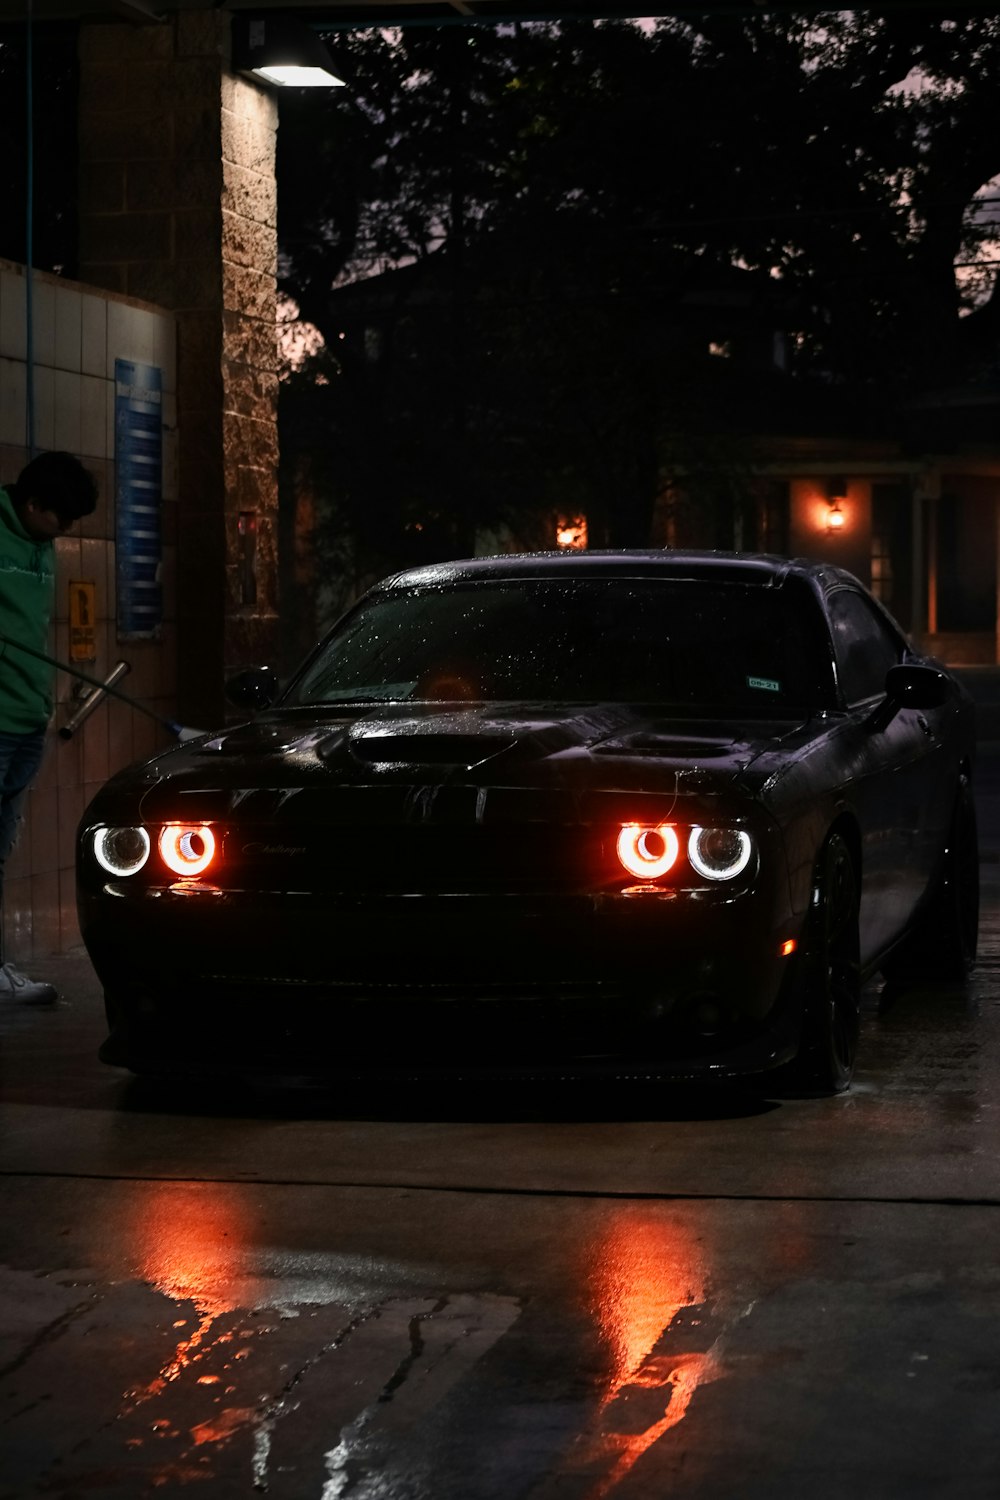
{"x":759,"y":569}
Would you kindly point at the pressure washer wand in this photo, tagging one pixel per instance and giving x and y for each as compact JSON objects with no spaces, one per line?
{"x":179,"y":731}
{"x":93,"y":700}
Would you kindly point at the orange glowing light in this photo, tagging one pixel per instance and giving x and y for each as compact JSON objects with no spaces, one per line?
{"x":787,"y":948}
{"x":835,"y":518}
{"x":187,"y":849}
{"x":647,"y":851}
{"x":571,"y":533}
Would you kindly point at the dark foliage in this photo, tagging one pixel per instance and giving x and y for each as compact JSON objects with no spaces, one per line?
{"x":527,"y":247}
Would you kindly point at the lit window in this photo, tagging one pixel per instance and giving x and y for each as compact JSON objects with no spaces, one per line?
{"x":881,"y":564}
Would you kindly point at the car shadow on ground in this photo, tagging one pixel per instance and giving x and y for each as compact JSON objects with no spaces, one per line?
{"x":450,"y":1096}
{"x":50,"y":1059}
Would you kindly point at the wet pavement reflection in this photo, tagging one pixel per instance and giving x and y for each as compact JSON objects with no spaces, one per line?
{"x":556,"y":1350}
{"x":650,"y":1288}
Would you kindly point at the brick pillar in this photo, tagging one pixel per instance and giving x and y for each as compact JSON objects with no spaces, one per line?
{"x":178,"y":207}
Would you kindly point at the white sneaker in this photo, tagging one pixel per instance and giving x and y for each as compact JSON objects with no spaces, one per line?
{"x":17,"y":986}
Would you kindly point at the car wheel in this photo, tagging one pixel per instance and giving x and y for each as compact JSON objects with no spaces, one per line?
{"x":831,"y":995}
{"x":945,"y":944}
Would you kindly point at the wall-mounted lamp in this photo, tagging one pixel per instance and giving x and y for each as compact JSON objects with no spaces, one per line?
{"x":277,"y":48}
{"x":835,"y":493}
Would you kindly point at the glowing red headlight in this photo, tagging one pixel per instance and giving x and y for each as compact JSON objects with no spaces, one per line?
{"x":647,"y":850}
{"x":187,"y":848}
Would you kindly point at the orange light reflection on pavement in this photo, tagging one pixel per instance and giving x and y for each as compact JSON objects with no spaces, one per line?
{"x":643,"y":1273}
{"x":186,"y":1242}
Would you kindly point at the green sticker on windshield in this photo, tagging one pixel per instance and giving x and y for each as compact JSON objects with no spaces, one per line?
{"x":767,"y":683}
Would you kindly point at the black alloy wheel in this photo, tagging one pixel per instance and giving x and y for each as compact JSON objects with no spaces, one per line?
{"x":831,"y":1001}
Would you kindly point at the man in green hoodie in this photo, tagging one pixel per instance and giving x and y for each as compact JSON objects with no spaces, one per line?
{"x":52,"y":492}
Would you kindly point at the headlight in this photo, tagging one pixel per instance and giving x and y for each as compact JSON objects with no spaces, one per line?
{"x":121,"y":851}
{"x":647,"y":851}
{"x":186,"y":848}
{"x":719,"y":853}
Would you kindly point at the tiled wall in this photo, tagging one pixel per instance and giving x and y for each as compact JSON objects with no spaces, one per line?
{"x":78,"y":333}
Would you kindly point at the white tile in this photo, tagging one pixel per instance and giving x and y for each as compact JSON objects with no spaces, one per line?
{"x":148,"y":332}
{"x":95,"y":398}
{"x":119,"y":337}
{"x":13,"y":415}
{"x":94,"y":321}
{"x":131,"y":335}
{"x":45,"y":408}
{"x":12,"y":315}
{"x":66,"y":411}
{"x":69,"y":327}
{"x":43,"y":304}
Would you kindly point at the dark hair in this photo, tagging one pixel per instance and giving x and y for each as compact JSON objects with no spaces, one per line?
{"x":58,"y":482}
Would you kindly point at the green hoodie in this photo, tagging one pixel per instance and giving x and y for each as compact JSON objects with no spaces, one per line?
{"x":27,"y":595}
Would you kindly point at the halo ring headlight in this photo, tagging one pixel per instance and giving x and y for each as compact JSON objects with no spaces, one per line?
{"x":121,"y":851}
{"x":187,"y":848}
{"x":647,"y":851}
{"x":719,"y":853}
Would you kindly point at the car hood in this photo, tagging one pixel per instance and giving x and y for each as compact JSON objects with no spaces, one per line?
{"x":576,"y":748}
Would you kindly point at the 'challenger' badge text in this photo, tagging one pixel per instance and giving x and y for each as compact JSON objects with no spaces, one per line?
{"x":274,"y":849}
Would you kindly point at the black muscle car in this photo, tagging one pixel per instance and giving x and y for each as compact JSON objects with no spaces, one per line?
{"x":662,"y":807}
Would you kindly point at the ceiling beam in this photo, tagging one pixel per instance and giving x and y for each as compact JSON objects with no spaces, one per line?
{"x":345,"y":14}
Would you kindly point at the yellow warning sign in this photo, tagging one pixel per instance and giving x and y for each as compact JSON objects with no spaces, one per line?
{"x":82,"y":622}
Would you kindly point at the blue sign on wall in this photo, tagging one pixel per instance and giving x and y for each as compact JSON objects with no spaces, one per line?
{"x":138,"y":498}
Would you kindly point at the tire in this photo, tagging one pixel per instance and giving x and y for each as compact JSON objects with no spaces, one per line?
{"x":944,"y":946}
{"x":831,"y":984}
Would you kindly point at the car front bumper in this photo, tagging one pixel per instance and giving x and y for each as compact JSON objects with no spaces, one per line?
{"x":196,"y":978}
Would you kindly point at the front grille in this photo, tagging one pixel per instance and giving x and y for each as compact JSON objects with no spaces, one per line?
{"x":397,"y":859}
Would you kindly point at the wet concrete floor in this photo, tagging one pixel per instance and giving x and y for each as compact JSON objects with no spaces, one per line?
{"x":561,"y":1289}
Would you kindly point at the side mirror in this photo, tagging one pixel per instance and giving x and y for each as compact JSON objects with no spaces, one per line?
{"x":910,"y":685}
{"x":253,"y":688}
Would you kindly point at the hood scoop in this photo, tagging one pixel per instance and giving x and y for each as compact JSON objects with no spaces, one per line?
{"x":681,"y":747}
{"x":424,"y":749}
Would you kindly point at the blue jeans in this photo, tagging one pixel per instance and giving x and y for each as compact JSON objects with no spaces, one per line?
{"x":20,"y":757}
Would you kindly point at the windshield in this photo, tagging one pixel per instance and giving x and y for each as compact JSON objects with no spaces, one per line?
{"x":727,"y":648}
